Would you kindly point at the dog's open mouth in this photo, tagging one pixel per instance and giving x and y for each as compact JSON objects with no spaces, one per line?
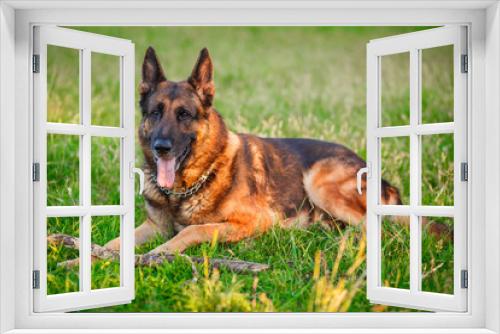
{"x":167,"y":167}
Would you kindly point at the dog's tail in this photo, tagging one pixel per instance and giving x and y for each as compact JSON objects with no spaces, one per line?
{"x":391,"y":196}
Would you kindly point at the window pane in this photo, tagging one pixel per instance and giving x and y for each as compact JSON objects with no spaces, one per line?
{"x":62,"y":262}
{"x":395,"y":89}
{"x":105,"y":272}
{"x":437,"y":169}
{"x":395,"y":165}
{"x":105,"y":171}
{"x":437,"y":255}
{"x":63,"y":85}
{"x":105,"y":90}
{"x":395,"y":251}
{"x":63,"y":165}
{"x":437,"y":90}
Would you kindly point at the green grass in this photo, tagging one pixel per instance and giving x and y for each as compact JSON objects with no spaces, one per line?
{"x":279,"y":81}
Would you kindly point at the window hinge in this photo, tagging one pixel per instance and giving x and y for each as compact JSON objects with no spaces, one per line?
{"x":36,"y":172}
{"x":36,"y":279}
{"x":36,"y":63}
{"x":465,"y":63}
{"x":464,"y":279}
{"x":464,"y":171}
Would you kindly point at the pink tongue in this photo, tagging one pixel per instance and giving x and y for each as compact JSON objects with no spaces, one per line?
{"x":166,"y":172}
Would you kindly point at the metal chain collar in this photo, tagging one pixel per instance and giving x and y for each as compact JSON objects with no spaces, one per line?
{"x":184,"y":192}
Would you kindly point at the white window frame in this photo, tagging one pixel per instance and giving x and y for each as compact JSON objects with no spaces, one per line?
{"x":17,"y":19}
{"x":413,"y":44}
{"x":86,"y":44}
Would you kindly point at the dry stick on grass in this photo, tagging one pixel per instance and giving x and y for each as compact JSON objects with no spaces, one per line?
{"x":433,"y":270}
{"x":103,"y":253}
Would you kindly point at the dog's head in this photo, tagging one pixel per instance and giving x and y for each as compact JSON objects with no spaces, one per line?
{"x":173,"y":113}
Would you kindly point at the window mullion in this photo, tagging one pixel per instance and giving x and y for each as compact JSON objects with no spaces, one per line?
{"x":85,"y":170}
{"x":415,"y":235}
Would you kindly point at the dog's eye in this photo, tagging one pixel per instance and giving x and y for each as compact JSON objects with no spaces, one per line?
{"x":158,"y":111}
{"x":183,"y":114}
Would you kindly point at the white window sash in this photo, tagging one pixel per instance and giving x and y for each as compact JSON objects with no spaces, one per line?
{"x":413,"y":43}
{"x":86,"y":43}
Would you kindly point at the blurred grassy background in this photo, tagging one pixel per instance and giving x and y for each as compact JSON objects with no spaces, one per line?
{"x":271,"y":81}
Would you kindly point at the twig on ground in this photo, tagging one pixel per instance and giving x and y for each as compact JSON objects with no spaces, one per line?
{"x":103,"y":253}
{"x":433,"y":270}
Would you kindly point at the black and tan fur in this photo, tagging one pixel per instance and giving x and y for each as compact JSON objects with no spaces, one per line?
{"x":255,"y":182}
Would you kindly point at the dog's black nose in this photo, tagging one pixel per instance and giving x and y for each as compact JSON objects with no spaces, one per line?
{"x":162,"y":146}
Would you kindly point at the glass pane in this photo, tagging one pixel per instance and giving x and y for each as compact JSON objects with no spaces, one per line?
{"x":62,"y":262}
{"x":63,"y":85}
{"x":105,"y":90}
{"x":437,"y":84}
{"x":395,"y":251}
{"x":105,"y":272}
{"x":63,"y":165}
{"x":395,"y":167}
{"x":437,"y":169}
{"x":105,"y":171}
{"x":437,"y":254}
{"x":395,"y":89}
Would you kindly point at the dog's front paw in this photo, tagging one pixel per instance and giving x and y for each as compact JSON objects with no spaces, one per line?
{"x":113,"y":245}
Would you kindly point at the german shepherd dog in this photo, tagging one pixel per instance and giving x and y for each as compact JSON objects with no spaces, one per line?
{"x":202,"y":179}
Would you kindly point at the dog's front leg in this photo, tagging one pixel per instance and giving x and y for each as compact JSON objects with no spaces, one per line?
{"x":196,"y":234}
{"x":144,"y":233}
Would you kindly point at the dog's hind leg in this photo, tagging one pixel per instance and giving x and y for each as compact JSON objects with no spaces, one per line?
{"x":331,"y":186}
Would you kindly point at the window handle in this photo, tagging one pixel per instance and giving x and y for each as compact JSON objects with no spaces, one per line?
{"x":134,"y":170}
{"x":359,"y":174}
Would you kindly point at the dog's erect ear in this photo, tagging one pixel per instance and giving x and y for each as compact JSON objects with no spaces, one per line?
{"x":202,"y":78}
{"x":152,"y":73}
